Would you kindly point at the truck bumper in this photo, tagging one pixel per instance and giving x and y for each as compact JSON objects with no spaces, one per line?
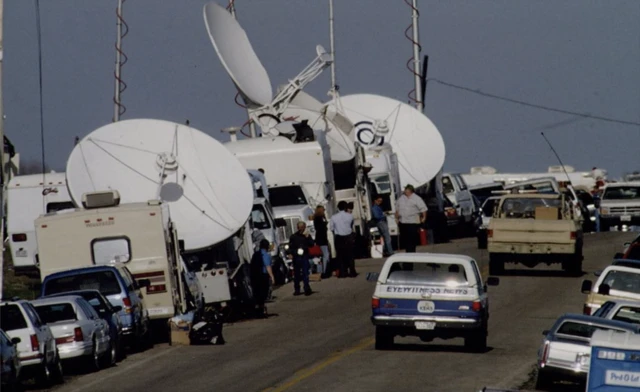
{"x":616,"y":220}
{"x":531,"y":249}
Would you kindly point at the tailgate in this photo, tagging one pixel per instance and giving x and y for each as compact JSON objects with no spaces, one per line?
{"x":563,"y":354}
{"x":396,"y":300}
{"x":532,"y":231}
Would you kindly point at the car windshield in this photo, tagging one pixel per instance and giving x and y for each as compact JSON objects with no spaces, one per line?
{"x":259,"y":217}
{"x":12,"y":318}
{"x":103,"y":281}
{"x":580,"y":330}
{"x":623,"y":281}
{"x":287,"y":196}
{"x":541,"y":187}
{"x":54,"y":313}
{"x":526,"y":207}
{"x":628,"y":314}
{"x":439,"y":274}
{"x":488,"y":206}
{"x":621,"y":193}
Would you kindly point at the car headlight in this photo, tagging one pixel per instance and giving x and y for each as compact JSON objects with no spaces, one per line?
{"x":604,"y":210}
{"x":286,"y":247}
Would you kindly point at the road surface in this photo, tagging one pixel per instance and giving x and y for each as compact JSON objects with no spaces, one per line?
{"x":325,"y":342}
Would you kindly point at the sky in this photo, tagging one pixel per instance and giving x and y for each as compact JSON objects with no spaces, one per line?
{"x":576,"y":55}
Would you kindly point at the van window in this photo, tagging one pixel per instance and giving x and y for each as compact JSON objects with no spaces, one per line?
{"x":438,"y":274}
{"x":447,"y":185}
{"x":111,"y":250}
{"x":58,"y":206}
{"x":105,"y":282}
{"x":12,"y":318}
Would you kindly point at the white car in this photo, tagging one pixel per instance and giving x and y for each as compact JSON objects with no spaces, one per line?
{"x":77,"y":328}
{"x":615,"y":282}
{"x":565,"y":352}
{"x":620,"y":310}
{"x":37,"y":347}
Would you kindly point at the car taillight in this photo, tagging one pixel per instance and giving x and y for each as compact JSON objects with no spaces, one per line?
{"x":490,"y":233}
{"x":65,"y":340}
{"x":545,"y":354}
{"x":159,"y":288}
{"x":586,"y":309}
{"x":573,"y":235}
{"x":35,"y":345}
{"x":375,"y":303}
{"x":127,"y":304}
{"x":19,"y":237}
{"x":476,"y":306}
{"x":77,"y":334}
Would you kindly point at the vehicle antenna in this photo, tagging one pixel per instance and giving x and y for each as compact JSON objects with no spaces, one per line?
{"x":557,"y":156}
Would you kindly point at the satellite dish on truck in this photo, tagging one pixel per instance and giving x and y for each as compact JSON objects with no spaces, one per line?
{"x":207,"y":189}
{"x":413,"y":137}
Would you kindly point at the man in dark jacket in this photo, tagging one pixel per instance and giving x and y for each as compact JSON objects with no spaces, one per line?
{"x":299,"y":245}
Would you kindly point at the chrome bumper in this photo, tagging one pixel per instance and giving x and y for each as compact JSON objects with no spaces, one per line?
{"x":441,"y":322}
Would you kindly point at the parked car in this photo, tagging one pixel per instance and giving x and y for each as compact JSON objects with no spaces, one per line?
{"x":620,"y":310}
{"x":615,"y":282}
{"x":107,"y":312}
{"x":115,"y":282}
{"x":431,"y":296}
{"x":10,"y":362}
{"x":622,"y":263}
{"x":565,"y":352}
{"x":37,"y":348}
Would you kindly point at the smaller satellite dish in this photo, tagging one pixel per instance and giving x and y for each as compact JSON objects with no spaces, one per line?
{"x":237,"y":55}
{"x":413,"y":137}
{"x":324,"y":56}
{"x":206,"y":188}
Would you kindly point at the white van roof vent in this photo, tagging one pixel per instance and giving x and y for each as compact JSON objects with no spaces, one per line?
{"x":483,"y":170}
{"x":100,"y":199}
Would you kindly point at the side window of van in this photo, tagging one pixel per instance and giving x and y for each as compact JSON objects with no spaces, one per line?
{"x":476,"y":272}
{"x":447,"y":185}
{"x":132,"y":285}
{"x":108,"y":250}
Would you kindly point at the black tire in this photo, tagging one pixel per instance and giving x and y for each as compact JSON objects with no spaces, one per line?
{"x":496,"y":264}
{"x":122,"y":353}
{"x":57,"y":375}
{"x":544,"y":382}
{"x":43,"y":376}
{"x":482,"y":240}
{"x":96,"y":359}
{"x":477,"y":341}
{"x":110,"y":357}
{"x":384,"y":339}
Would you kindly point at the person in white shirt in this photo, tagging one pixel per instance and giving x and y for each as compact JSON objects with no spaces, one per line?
{"x":411,"y":212}
{"x":341,"y":225}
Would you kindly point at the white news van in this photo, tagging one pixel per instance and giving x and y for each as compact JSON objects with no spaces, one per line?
{"x":139,"y":235}
{"x":29,"y":197}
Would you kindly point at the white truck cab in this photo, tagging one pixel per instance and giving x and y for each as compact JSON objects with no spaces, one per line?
{"x":385,"y":179}
{"x":28,"y":197}
{"x":620,"y":205}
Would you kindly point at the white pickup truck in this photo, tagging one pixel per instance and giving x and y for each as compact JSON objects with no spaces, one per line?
{"x":620,"y":205}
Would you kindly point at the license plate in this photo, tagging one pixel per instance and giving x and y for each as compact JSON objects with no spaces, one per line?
{"x":625,"y":218}
{"x":426,"y":307}
{"x":425,"y":325}
{"x":21,"y":253}
{"x":156,"y":311}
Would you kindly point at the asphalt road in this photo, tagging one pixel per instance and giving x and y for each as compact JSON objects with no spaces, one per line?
{"x":325,"y":342}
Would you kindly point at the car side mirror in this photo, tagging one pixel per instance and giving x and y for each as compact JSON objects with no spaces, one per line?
{"x":545,"y":332}
{"x":618,"y":255}
{"x":15,"y":341}
{"x":144,"y":283}
{"x":627,"y":244}
{"x":372,"y":276}
{"x":117,"y":309}
{"x":280,"y":222}
{"x":604,"y":289}
{"x":587,"y":285}
{"x":181,"y":245}
{"x":598,"y":273}
{"x":493,"y":281}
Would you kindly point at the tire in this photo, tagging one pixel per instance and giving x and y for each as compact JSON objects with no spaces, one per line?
{"x":110,"y":357}
{"x":496,"y":264}
{"x":482,"y":240}
{"x":43,"y":376}
{"x":57,"y":375}
{"x":384,"y":339}
{"x":544,"y":381}
{"x":122,"y":353}
{"x":477,"y":341}
{"x":96,"y":359}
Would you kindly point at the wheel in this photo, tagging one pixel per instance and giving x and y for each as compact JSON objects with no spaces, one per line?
{"x":57,"y":375}
{"x":482,"y":240}
{"x":477,"y":341}
{"x":110,"y":356}
{"x":496,"y":264}
{"x":96,"y":360}
{"x":43,"y":377}
{"x":122,"y":353}
{"x":544,"y":381}
{"x":384,"y":339}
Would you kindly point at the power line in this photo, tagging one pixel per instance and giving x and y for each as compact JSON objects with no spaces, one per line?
{"x":533,"y":105}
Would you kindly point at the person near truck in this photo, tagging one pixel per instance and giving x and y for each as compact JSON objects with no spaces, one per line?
{"x":320,"y":224}
{"x":380,"y":219}
{"x":411,"y":212}
{"x":341,"y":224}
{"x":261,"y":277}
{"x":299,"y":244}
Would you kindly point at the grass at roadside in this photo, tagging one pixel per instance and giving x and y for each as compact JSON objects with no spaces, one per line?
{"x":24,"y":287}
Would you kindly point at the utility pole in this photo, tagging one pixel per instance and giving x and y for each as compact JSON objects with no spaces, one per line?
{"x":4,"y":172}
{"x":333,"y":51}
{"x":117,"y":103}
{"x":252,"y":126}
{"x":416,"y":56}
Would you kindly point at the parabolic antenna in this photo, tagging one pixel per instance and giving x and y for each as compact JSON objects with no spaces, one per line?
{"x":237,"y":55}
{"x":413,"y":137}
{"x":207,"y":189}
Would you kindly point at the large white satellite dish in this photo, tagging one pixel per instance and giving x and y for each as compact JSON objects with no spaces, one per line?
{"x":207,"y":189}
{"x":413,"y":137}
{"x":237,"y":55}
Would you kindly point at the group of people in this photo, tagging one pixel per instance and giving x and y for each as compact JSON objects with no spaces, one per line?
{"x":411,"y":213}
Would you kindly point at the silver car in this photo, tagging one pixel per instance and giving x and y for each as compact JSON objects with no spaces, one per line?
{"x":620,"y":310}
{"x":77,"y":328}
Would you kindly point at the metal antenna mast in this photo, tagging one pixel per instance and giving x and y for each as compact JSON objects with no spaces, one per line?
{"x":416,"y":56}
{"x":121,"y":59}
{"x":334,"y":86}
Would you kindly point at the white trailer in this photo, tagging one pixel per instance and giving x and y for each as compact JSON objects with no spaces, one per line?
{"x":29,"y":197}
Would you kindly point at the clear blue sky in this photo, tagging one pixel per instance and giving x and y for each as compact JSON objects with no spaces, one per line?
{"x":571,"y":54}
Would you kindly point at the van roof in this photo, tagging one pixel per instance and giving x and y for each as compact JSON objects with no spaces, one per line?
{"x":36,"y":180}
{"x":84,"y":270}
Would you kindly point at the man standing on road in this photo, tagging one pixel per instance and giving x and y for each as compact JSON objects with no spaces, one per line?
{"x":320,"y":224}
{"x":381,"y":223}
{"x":261,"y":277}
{"x":411,"y":212}
{"x":341,"y":225}
{"x":299,"y":245}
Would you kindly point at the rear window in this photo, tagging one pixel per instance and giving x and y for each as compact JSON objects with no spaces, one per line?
{"x":439,"y":274}
{"x":56,"y":312}
{"x":628,"y":314}
{"x":526,"y":207}
{"x":105,"y":282}
{"x":11,"y":318}
{"x":623,"y":281}
{"x":580,"y":330}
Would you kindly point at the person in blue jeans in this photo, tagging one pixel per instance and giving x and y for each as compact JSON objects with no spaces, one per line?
{"x":320,"y":224}
{"x":381,"y":223}
{"x":299,"y":244}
